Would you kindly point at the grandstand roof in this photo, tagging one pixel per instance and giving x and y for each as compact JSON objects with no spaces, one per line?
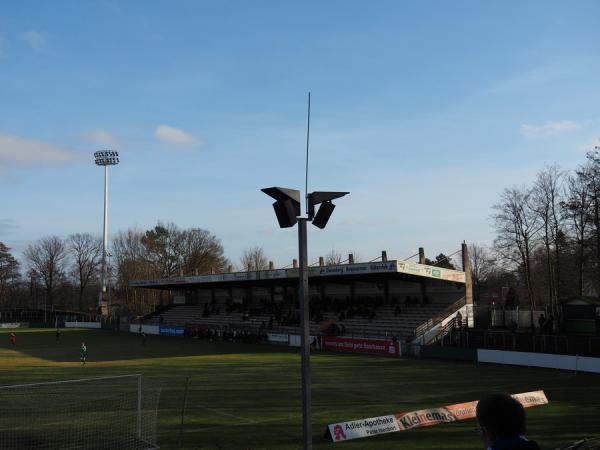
{"x":372,"y":271}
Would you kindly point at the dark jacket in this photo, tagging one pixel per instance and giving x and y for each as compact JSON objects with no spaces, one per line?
{"x":516,"y":444}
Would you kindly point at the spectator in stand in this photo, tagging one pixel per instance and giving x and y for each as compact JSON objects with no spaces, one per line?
{"x":372,"y":315}
{"x":458,"y":320}
{"x":397,"y":310}
{"x":502,"y":423}
{"x":541,"y":322}
{"x":549,"y":325}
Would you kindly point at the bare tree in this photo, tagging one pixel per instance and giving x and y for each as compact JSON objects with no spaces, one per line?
{"x":546,"y":197}
{"x":47,"y":257}
{"x":86,"y":252}
{"x":481,"y":266}
{"x":333,"y":258}
{"x":576,"y":210}
{"x":592,"y":178}
{"x":517,"y":227}
{"x":132,"y":264}
{"x":254,"y":258}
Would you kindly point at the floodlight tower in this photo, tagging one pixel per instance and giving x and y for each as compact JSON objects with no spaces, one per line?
{"x":105,"y":158}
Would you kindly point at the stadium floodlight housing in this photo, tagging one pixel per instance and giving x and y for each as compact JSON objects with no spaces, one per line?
{"x":106,"y":158}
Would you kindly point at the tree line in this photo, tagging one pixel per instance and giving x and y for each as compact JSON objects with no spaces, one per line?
{"x":65,"y":273}
{"x":547,"y":244}
{"x":547,"y":248}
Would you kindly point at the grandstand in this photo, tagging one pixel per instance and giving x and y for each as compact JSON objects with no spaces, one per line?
{"x":377,"y":299}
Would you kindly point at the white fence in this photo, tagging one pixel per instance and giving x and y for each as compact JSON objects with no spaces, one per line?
{"x":524,"y":318}
{"x":547,"y":360}
{"x":77,"y":324}
{"x":148,"y":329}
{"x":14,"y":325}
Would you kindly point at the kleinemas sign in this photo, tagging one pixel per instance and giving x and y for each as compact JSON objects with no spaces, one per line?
{"x":372,"y":426}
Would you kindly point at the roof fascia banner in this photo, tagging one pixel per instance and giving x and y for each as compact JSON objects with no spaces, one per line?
{"x":372,"y":426}
{"x":423,"y":270}
{"x":405,"y":267}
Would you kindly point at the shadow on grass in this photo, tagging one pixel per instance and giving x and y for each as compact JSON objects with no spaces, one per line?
{"x":105,"y":345}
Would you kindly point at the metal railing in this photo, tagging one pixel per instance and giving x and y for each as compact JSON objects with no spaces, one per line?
{"x":438,"y":318}
{"x":561,"y":344}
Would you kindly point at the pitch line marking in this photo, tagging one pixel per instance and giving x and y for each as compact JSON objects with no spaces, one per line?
{"x":223,"y":413}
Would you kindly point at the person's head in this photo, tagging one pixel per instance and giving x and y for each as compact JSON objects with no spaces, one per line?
{"x":500,"y":417}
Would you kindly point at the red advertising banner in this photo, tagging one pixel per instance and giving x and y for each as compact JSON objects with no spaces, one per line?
{"x":359,"y":345}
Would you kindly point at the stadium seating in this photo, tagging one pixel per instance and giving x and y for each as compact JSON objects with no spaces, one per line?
{"x":382,"y":321}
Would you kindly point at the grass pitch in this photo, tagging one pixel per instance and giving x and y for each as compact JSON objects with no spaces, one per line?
{"x":245,"y":396}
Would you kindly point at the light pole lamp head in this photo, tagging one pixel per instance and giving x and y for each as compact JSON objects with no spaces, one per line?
{"x":286,"y":206}
{"x":106,"y":158}
{"x":322,"y":198}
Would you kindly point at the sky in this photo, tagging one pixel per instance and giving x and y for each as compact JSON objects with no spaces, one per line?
{"x":423,"y":111}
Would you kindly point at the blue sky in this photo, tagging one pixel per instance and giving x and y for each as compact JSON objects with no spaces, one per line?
{"x":424,"y":111}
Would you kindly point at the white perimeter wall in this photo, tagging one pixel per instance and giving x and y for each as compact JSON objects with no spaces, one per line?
{"x":82,"y":325}
{"x":148,"y":329}
{"x":566,"y":362}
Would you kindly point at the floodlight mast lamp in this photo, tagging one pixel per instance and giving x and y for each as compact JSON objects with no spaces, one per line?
{"x":105,"y":158}
{"x":287,"y":210}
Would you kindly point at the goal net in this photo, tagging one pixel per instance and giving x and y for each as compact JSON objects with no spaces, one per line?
{"x":117,"y":412}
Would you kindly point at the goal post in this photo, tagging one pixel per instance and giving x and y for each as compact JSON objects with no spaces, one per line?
{"x":112,"y":412}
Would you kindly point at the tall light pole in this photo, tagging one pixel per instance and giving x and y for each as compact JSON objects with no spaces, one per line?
{"x":105,"y":158}
{"x":287,"y":210}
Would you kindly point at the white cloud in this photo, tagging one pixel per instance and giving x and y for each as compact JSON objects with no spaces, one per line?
{"x":549,"y":128}
{"x":101,"y":137}
{"x":15,"y":150}
{"x":36,"y":40}
{"x":172,"y":135}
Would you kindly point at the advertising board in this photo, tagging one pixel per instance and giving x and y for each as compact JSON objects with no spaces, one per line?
{"x":344,"y":431}
{"x":171,"y":330}
{"x":385,"y":347}
{"x":278,"y":338}
{"x":431,"y":271}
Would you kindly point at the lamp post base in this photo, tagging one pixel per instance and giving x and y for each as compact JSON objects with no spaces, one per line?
{"x":102,"y":304}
